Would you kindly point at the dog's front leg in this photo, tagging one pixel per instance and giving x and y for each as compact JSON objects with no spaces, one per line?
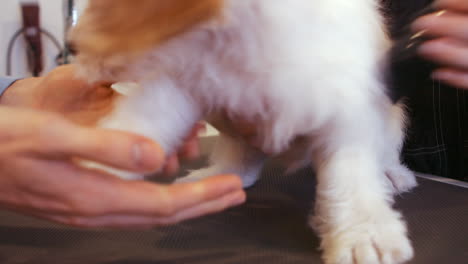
{"x":401,"y":178}
{"x":353,"y":211}
{"x":156,"y":109}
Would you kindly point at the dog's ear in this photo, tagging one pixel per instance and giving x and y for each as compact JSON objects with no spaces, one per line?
{"x":131,"y":26}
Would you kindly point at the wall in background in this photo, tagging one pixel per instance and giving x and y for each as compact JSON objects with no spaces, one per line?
{"x":10,"y":21}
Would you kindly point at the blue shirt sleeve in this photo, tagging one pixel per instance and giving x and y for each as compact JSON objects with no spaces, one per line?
{"x":5,"y":82}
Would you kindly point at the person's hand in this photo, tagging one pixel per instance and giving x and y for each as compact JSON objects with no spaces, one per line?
{"x":190,"y":150}
{"x":60,"y":91}
{"x":38,"y":176}
{"x":448,"y":47}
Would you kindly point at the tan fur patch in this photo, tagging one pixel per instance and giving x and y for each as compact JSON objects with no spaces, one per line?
{"x":131,"y":26}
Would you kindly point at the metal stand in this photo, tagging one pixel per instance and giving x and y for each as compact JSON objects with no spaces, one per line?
{"x":70,"y":19}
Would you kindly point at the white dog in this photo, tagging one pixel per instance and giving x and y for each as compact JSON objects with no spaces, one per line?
{"x":308,"y":73}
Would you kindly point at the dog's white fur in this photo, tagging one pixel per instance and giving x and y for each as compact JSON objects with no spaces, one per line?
{"x":296,"y":68}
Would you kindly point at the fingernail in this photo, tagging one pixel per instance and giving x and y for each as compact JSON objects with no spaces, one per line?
{"x":410,"y":45}
{"x":426,"y":21}
{"x":441,"y":12}
{"x":418,"y":34}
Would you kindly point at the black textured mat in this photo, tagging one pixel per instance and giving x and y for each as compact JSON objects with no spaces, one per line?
{"x":270,"y":228}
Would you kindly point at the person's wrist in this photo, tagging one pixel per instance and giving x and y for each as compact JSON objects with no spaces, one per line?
{"x":16,"y":93}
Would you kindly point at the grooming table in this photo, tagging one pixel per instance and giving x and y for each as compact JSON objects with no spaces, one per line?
{"x":270,"y":228}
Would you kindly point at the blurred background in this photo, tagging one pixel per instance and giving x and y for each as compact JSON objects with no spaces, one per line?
{"x":38,"y":47}
{"x":33,"y":34}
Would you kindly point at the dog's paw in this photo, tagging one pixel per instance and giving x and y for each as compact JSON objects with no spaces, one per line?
{"x":402,"y":179}
{"x":376,"y":241}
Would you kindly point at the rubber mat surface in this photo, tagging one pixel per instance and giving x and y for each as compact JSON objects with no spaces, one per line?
{"x":270,"y":228}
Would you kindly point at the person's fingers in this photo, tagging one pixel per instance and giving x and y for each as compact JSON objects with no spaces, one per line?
{"x":446,"y":52}
{"x":51,"y":186}
{"x":147,"y":221}
{"x":458,"y":5}
{"x":88,"y":193}
{"x":190,"y":150}
{"x":200,"y":127}
{"x":210,"y":207}
{"x":51,"y":135}
{"x":167,"y":200}
{"x":453,"y":77}
{"x":172,"y":165}
{"x":115,"y":148}
{"x":443,"y":24}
